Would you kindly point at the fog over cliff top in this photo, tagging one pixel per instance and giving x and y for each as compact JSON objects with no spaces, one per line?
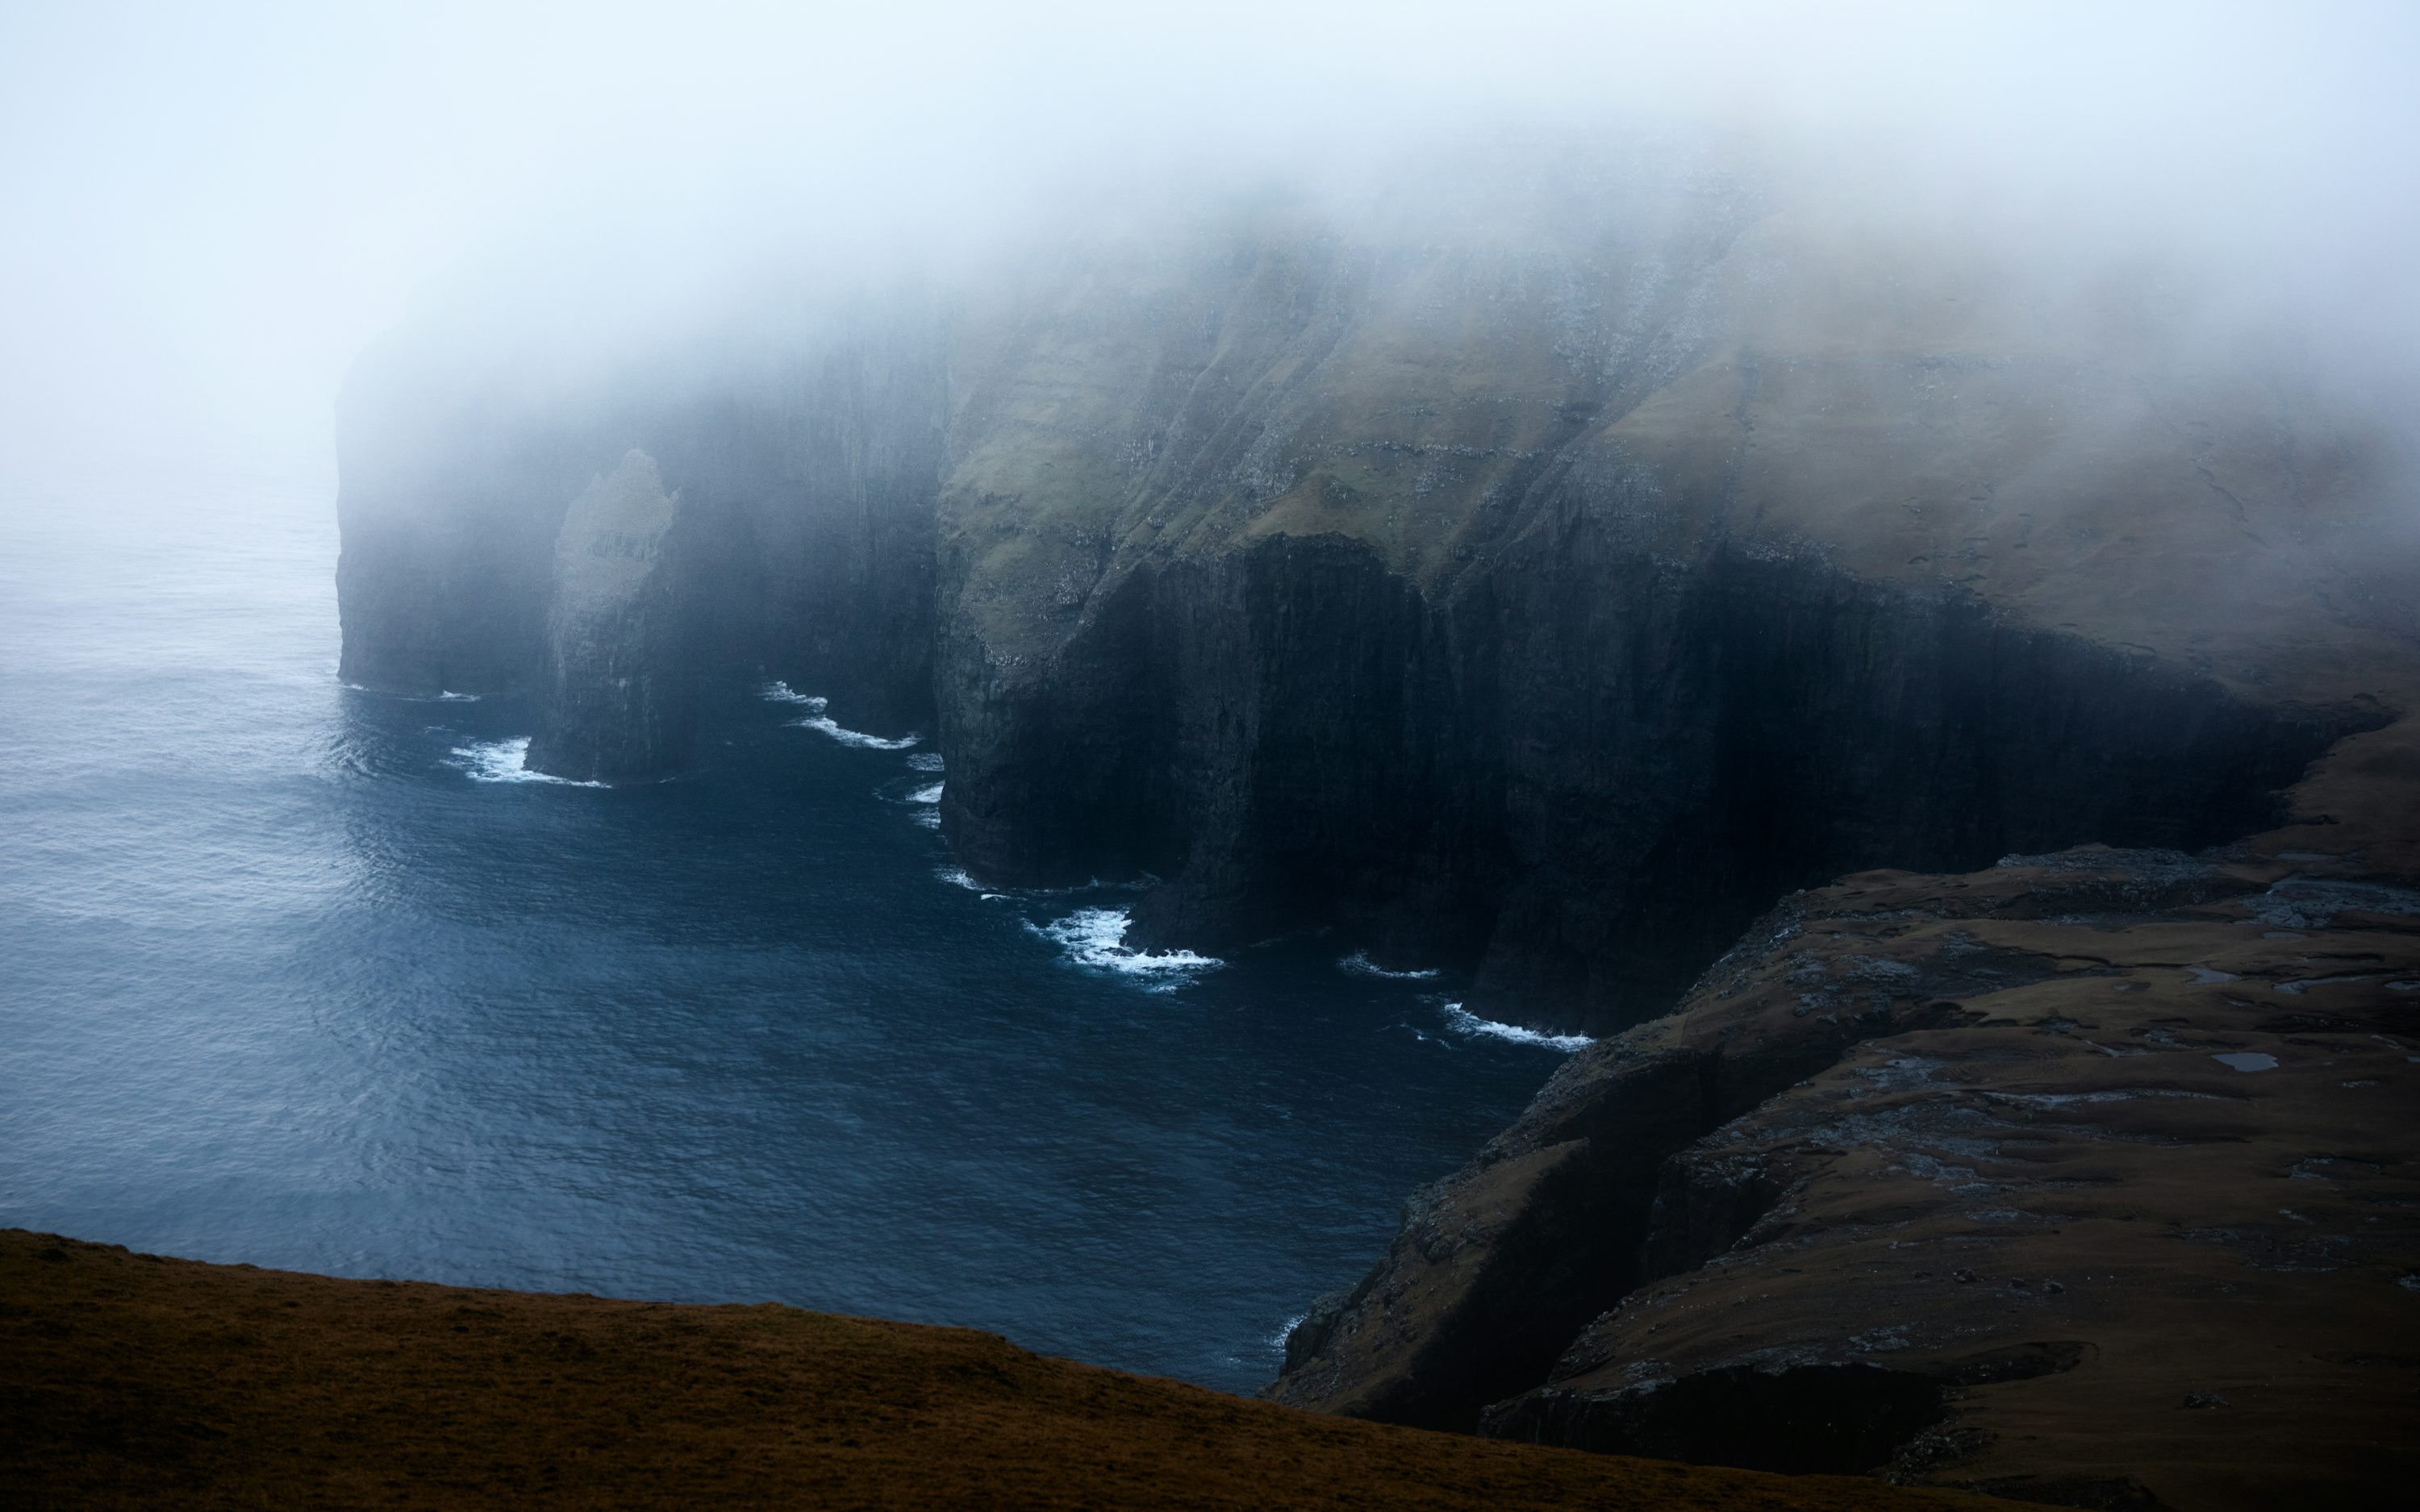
{"x":212,"y":214}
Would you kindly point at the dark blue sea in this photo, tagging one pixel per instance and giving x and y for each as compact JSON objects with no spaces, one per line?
{"x":301,"y":976}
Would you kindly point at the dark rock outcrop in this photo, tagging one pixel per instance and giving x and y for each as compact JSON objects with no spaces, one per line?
{"x":1498,"y":1267}
{"x":1950,"y":1176}
{"x":1578,"y":771}
{"x":618,"y":698}
{"x":1809,"y":1419}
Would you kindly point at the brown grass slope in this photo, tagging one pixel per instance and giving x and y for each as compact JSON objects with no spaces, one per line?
{"x":133,"y":1381}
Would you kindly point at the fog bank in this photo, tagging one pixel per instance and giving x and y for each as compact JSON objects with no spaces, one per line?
{"x":212,"y":214}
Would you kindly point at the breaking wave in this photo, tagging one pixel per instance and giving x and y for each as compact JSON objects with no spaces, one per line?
{"x":1360,"y":965}
{"x":957,"y":877}
{"x":1463,"y":1021}
{"x":855,"y":738}
{"x":506,"y":761}
{"x":441,"y":696}
{"x":1095,"y":938}
{"x":921,"y":798}
{"x":780,"y":692}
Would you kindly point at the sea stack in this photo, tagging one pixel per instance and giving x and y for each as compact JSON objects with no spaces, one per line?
{"x":616,"y":697}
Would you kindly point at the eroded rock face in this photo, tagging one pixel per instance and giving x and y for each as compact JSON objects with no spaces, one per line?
{"x":1799,"y":1419}
{"x":1956,"y":1177}
{"x":1543,"y":603}
{"x":1578,"y":771}
{"x":618,"y":698}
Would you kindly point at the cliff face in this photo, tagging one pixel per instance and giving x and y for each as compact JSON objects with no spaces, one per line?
{"x":1545,"y":600}
{"x":1579,"y":772}
{"x":1543,"y":580}
{"x":806,"y":465}
{"x":617,"y":699}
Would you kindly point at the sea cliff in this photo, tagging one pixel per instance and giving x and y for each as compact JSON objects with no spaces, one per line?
{"x":1569,"y":581}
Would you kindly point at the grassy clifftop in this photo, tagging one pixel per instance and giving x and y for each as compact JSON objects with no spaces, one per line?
{"x":1695,"y":350}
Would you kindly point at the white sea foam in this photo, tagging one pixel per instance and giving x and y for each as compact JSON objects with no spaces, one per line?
{"x":1464,"y":1022}
{"x":779,"y":692}
{"x":1285,"y":1331}
{"x":442,"y":697}
{"x":1095,"y":938}
{"x":1360,"y":965}
{"x":930,"y":794}
{"x":957,"y":877}
{"x":925,"y":761}
{"x":929,"y":818}
{"x":506,"y":761}
{"x":855,"y":738}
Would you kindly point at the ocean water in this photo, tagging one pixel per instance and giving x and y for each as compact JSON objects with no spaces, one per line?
{"x":312,"y":977}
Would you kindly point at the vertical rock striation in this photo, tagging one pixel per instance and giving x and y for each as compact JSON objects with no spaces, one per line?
{"x":1578,"y":771}
{"x":617,"y":697}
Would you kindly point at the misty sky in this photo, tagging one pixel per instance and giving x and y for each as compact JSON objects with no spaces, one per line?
{"x":212,"y":208}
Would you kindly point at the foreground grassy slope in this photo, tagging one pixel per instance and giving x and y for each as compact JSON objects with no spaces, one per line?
{"x":133,"y":1381}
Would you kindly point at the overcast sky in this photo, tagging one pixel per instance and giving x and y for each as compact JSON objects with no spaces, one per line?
{"x":211,"y":209}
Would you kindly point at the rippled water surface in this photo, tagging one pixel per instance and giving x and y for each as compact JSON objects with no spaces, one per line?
{"x":297,"y":975}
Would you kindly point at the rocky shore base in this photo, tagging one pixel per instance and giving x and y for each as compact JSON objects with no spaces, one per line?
{"x":2083,"y":1179}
